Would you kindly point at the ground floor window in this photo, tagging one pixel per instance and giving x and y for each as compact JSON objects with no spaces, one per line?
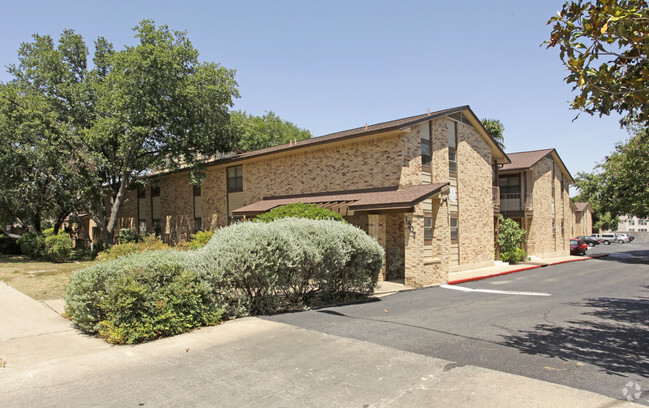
{"x":455,"y":231}
{"x":428,"y":228}
{"x":157,"y":227}
{"x":198,"y":224}
{"x":142,"y":227}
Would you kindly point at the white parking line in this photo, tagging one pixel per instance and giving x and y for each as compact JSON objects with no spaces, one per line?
{"x":501,"y":292}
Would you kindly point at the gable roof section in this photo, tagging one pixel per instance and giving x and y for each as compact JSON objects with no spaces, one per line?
{"x":583,"y":205}
{"x":525,"y":161}
{"x":389,"y":198}
{"x":393,"y":125}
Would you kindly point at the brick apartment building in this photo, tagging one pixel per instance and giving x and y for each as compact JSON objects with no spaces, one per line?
{"x":583,"y":219}
{"x":423,"y":186}
{"x":534,"y":192}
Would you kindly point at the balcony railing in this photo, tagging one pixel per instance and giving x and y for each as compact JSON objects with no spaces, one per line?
{"x":516,"y":202}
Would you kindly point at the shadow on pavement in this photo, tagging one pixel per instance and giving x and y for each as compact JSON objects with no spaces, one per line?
{"x":629,"y":256}
{"x":612,"y":337}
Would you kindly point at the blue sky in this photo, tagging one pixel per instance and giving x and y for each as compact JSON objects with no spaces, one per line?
{"x":334,"y":65}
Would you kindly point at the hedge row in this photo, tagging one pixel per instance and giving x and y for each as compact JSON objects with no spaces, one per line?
{"x":247,"y":268}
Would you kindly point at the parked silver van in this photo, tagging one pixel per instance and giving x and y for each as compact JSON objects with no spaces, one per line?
{"x":606,"y":238}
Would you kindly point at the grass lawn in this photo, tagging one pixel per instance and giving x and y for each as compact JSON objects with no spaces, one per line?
{"x":39,"y":280}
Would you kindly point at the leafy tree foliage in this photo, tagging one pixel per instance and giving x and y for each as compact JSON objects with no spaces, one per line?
{"x":591,"y":190}
{"x":495,"y":128}
{"x":604,"y":45}
{"x":625,"y":178}
{"x":258,"y":132}
{"x":146,"y":107}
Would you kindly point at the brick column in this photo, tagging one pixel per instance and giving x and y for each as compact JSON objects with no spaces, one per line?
{"x":376,"y":227}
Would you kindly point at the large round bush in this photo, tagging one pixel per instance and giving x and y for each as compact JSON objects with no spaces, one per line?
{"x":266,"y":267}
{"x":141,"y":296}
{"x":58,"y":247}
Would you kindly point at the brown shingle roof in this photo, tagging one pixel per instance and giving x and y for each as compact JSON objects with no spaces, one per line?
{"x":388,"y":198}
{"x":365,"y":130}
{"x":581,"y":206}
{"x":525,"y":160}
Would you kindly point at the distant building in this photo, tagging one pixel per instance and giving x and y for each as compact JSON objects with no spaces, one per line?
{"x":632,"y":224}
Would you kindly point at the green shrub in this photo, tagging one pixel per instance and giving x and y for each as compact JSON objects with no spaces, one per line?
{"x":83,"y":254}
{"x":85,"y":298}
{"x":9,"y":246}
{"x":515,"y":256}
{"x":299,"y":210}
{"x":265,"y":267}
{"x":146,"y":303}
{"x":48,"y":232}
{"x":58,"y":247}
{"x":247,"y":268}
{"x":147,"y":243}
{"x":127,"y":235}
{"x":200,"y":239}
{"x":32,"y":244}
{"x":510,"y":238}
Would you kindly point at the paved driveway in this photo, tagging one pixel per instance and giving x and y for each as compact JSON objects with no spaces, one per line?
{"x":582,"y":324}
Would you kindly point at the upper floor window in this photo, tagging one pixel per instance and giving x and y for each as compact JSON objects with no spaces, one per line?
{"x":642,"y":222}
{"x":141,"y":191}
{"x":425,"y":153}
{"x":510,"y":184}
{"x":235,"y":179}
{"x":155,"y":189}
{"x":452,"y":146}
{"x":632,"y":222}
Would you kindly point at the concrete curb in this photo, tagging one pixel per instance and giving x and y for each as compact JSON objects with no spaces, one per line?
{"x":476,"y":278}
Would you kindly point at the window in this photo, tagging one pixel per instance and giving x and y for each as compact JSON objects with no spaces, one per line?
{"x":157,"y":227}
{"x":155,"y":189}
{"x":631,"y":230}
{"x":643,"y":230}
{"x":554,"y":228}
{"x":632,"y":222}
{"x":642,"y":222}
{"x":141,"y":191}
{"x":142,"y":227}
{"x":235,"y":179}
{"x":455,"y":233}
{"x":198,"y":224}
{"x":452,"y":146}
{"x":425,"y":152}
{"x":428,"y":228}
{"x":510,"y":184}
{"x":562,"y":230}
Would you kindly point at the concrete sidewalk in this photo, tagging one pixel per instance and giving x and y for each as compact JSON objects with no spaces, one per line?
{"x":247,"y":362}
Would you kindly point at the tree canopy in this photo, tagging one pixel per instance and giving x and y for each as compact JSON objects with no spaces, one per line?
{"x":258,"y":132}
{"x":495,"y":128}
{"x":149,"y":106}
{"x":604,"y":45}
{"x":591,"y":190}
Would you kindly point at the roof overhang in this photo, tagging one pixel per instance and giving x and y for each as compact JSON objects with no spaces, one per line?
{"x":347,"y":203}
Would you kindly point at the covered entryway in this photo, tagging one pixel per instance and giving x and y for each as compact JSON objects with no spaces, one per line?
{"x":391,"y":216}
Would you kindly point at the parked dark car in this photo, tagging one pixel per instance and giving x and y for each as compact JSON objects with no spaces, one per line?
{"x":578,"y":247}
{"x":590,"y":241}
